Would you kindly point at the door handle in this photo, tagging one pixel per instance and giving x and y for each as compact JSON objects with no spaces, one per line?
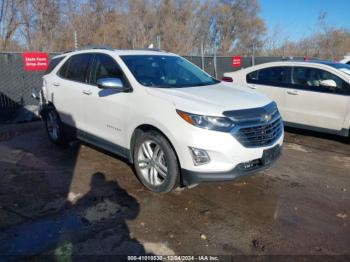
{"x":293,"y":92}
{"x":87,"y":92}
{"x":56,"y":84}
{"x":252,"y":86}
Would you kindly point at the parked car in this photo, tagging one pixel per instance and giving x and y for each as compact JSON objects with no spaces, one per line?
{"x":174,"y":122}
{"x":346,"y":59}
{"x":310,"y":95}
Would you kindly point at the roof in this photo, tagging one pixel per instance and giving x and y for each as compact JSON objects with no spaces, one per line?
{"x":296,"y":62}
{"x":146,"y":51}
{"x":342,"y":69}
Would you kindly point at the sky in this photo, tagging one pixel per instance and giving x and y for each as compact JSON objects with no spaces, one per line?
{"x":298,"y":18}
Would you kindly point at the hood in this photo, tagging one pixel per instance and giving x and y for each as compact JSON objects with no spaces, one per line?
{"x":212,"y":99}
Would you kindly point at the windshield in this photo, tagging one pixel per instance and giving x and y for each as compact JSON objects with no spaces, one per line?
{"x":342,"y":67}
{"x":166,"y":71}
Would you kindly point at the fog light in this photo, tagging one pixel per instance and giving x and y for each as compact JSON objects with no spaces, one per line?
{"x":199,"y":156}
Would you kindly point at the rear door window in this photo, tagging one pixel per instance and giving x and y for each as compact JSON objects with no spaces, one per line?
{"x":275,"y":76}
{"x":272,"y":76}
{"x":76,"y":67}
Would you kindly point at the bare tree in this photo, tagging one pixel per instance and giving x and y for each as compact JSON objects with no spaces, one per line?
{"x":237,"y":25}
{"x":232,"y":26}
{"x":10,"y":21}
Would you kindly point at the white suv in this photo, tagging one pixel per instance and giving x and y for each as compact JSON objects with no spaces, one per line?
{"x":174,"y":122}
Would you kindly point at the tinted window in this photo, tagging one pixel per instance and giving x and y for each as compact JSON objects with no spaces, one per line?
{"x":276,"y":76}
{"x":273,"y":76}
{"x":77,"y":67}
{"x":348,"y":63}
{"x":53,"y":63}
{"x":105,"y":67}
{"x":311,"y":79}
{"x":252,"y":77}
{"x":166,"y":71}
{"x":63,"y":70}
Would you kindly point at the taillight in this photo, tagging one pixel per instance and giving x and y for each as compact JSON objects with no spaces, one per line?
{"x":227,"y":79}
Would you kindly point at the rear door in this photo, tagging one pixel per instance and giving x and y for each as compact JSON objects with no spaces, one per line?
{"x":310,"y":103}
{"x":272,"y":82}
{"x":68,"y":86}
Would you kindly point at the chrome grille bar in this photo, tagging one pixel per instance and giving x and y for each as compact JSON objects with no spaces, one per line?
{"x":255,"y":131}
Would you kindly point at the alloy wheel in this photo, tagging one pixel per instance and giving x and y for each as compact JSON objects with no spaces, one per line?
{"x":152,"y":163}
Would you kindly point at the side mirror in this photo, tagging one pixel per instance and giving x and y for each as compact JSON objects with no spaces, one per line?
{"x":110,"y":83}
{"x":328,"y":83}
{"x":35,"y":95}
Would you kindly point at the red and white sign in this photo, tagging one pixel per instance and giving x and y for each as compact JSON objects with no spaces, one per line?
{"x":35,"y":61}
{"x":236,"y":61}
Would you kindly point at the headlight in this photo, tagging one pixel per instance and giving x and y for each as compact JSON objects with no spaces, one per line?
{"x":207,"y":122}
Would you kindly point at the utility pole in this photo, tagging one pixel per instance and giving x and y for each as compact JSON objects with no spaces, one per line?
{"x":215,"y":64}
{"x":253,"y":54}
{"x":75,"y":40}
{"x":158,"y":41}
{"x":202,"y":54}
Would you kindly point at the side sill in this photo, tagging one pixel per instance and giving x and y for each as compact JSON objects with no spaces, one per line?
{"x":101,"y":143}
{"x":341,"y":132}
{"x":75,"y":133}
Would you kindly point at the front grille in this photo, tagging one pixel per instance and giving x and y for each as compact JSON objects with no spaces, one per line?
{"x":260,"y":135}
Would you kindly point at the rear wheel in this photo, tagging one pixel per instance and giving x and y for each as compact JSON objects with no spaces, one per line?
{"x":54,"y":127}
{"x":155,"y":162}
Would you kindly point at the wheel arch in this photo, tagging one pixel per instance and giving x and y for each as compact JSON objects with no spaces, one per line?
{"x":45,"y":107}
{"x":145,"y":128}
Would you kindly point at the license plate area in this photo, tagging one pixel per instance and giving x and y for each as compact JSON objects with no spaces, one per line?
{"x":269,"y":155}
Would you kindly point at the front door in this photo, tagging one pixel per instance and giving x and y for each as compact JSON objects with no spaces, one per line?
{"x":309,"y":102}
{"x":105,"y":110}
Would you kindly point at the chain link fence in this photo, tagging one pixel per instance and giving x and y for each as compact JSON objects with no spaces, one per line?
{"x":17,"y":85}
{"x":217,"y":66}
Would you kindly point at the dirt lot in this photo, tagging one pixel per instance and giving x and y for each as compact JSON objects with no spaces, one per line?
{"x":78,"y":200}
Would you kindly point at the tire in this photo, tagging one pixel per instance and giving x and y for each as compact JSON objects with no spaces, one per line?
{"x":155,"y":162}
{"x":54,"y":127}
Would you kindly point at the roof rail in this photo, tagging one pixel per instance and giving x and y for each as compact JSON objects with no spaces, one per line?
{"x":149,"y":49}
{"x":106,"y":47}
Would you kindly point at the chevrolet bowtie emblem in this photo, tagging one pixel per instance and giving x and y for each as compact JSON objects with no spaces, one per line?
{"x":267,"y":118}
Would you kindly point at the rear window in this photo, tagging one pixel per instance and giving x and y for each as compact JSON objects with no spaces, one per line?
{"x":53,"y":63}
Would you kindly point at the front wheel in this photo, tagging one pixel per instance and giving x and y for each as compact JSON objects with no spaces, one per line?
{"x":155,"y":162}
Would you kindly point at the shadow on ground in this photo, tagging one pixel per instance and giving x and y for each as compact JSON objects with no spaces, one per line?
{"x":72,"y":201}
{"x":40,"y":211}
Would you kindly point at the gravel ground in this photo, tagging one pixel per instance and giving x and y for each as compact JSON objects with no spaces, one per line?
{"x":77,"y":200}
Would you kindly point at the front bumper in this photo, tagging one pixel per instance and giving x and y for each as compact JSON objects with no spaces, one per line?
{"x":193,"y":177}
